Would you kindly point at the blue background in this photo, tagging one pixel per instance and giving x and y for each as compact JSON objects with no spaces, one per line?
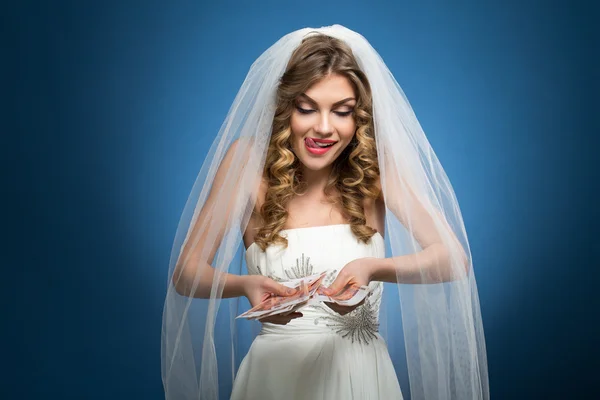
{"x":110,"y":108}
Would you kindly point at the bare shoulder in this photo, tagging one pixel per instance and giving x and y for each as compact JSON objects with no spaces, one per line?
{"x":261,"y":193}
{"x":379,"y":188}
{"x":254,"y":221}
{"x":379,"y":202}
{"x":375,"y":210}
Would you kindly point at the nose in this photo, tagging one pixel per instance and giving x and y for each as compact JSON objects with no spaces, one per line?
{"x":324,"y":126}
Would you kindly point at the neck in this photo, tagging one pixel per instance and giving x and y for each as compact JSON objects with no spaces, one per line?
{"x":316,"y":180}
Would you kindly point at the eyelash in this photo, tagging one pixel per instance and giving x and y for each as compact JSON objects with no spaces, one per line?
{"x":340,"y":113}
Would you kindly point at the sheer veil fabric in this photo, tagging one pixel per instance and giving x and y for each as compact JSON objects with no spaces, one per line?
{"x":203,"y":344}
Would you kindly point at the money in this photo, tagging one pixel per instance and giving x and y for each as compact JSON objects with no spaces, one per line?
{"x":308,"y":292}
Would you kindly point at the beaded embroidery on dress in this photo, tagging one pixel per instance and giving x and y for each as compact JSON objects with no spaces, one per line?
{"x":321,"y":355}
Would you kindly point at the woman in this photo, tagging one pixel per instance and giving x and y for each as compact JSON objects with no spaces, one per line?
{"x":319,"y":142}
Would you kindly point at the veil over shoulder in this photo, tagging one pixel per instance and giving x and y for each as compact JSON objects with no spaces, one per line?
{"x":203,"y":343}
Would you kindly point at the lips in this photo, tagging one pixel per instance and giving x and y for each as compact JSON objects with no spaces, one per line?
{"x":313,"y":148}
{"x":314,"y":142}
{"x":325,"y":141}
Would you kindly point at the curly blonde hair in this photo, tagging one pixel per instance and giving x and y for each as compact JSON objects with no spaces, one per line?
{"x":355,"y":171}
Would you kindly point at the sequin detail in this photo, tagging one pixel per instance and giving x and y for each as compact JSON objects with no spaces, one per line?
{"x":303,"y":268}
{"x":275,"y":278}
{"x":358,"y":325}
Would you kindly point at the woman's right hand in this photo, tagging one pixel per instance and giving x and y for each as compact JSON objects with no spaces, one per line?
{"x":259,"y":288}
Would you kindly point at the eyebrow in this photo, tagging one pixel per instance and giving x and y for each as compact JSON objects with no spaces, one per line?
{"x":334,"y":104}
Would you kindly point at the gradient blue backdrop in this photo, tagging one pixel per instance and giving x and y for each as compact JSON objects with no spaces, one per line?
{"x":112,"y":106}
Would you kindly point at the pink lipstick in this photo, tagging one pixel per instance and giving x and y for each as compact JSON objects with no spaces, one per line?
{"x":314,"y":148}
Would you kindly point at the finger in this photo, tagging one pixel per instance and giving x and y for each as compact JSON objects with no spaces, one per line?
{"x":335,"y":287}
{"x":281,"y":290}
{"x":347,"y":292}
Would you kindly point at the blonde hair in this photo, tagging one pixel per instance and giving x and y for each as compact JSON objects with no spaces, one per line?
{"x":355,"y":171}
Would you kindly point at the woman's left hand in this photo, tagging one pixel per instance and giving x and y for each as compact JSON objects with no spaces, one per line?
{"x":355,"y":273}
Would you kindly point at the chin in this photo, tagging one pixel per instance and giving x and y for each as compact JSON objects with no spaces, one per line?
{"x":315,"y":167}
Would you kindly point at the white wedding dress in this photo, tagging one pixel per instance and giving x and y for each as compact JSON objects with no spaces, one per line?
{"x":321,"y":355}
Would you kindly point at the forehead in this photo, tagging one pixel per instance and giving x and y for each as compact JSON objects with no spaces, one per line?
{"x":329,"y":90}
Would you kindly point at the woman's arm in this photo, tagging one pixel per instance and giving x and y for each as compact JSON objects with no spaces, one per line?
{"x":190,"y":263}
{"x":234,"y":284}
{"x":430,"y":265}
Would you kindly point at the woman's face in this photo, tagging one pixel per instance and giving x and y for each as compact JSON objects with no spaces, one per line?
{"x":324,"y":113}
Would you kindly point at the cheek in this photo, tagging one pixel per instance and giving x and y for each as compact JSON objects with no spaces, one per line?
{"x":348,"y":131}
{"x":299,"y":127}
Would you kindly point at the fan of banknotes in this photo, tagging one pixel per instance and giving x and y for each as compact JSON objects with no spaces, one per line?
{"x":309,"y":291}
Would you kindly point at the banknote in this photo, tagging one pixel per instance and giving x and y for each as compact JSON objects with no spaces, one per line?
{"x":350,"y":295}
{"x":279,"y":304}
{"x":307,"y":293}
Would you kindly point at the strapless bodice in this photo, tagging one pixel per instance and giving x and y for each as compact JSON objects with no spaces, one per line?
{"x":312,"y":250}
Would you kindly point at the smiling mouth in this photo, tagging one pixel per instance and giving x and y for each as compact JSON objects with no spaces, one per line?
{"x":318,"y":144}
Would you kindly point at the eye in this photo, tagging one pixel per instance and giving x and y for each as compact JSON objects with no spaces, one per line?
{"x":338,"y":113}
{"x":303,"y":111}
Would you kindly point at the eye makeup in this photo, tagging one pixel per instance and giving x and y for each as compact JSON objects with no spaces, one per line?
{"x":339,"y":113}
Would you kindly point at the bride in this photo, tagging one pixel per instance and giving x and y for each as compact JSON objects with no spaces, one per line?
{"x":320,"y":162}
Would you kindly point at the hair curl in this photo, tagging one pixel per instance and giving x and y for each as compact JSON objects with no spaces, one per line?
{"x":354,"y":172}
